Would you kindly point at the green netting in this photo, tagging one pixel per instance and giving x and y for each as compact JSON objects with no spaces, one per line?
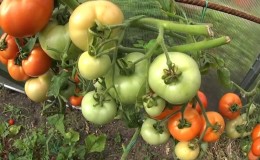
{"x":239,"y":55}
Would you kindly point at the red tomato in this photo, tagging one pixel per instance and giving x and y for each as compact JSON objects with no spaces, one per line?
{"x":75,"y":100}
{"x":212,"y":134}
{"x":166,"y":112}
{"x":187,"y":127}
{"x":251,"y":156}
{"x":3,"y":60}
{"x":76,"y":78}
{"x":256,"y":132}
{"x":203,"y":100}
{"x":8,"y":47}
{"x":256,"y":147}
{"x":11,"y":122}
{"x":25,"y":18}
{"x":16,"y":71}
{"x":37,"y":63}
{"x":230,"y":105}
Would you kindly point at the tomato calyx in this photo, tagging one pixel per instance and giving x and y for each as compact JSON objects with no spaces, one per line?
{"x":193,"y":144}
{"x":158,"y":127}
{"x":3,"y":43}
{"x":234,"y":108}
{"x":216,"y":127}
{"x":183,"y":123}
{"x":126,"y":67}
{"x":150,"y":100}
{"x":171,"y":74}
{"x":100,"y":98}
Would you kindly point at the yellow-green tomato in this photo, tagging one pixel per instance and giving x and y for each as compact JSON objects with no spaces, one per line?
{"x":96,"y":112}
{"x":154,"y":106}
{"x":179,"y":84}
{"x":37,"y":88}
{"x":91,"y":67}
{"x":184,"y":152}
{"x":55,"y":39}
{"x":154,"y":136}
{"x":87,"y":14}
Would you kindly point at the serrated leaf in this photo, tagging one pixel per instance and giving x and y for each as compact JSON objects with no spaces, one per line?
{"x":58,"y":121}
{"x":57,"y":83}
{"x":95,"y":143}
{"x":72,"y":136}
{"x":224,"y":77}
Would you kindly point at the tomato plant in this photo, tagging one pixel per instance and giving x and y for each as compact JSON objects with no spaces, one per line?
{"x":87,"y":15}
{"x":8,"y":47}
{"x":54,"y":40}
{"x":98,"y":108}
{"x":16,"y":71}
{"x":256,"y":132}
{"x":213,"y":132}
{"x":91,"y":67}
{"x":186,"y":127}
{"x":25,"y":18}
{"x":153,"y":105}
{"x":154,"y":133}
{"x":182,"y":80}
{"x":36,"y":88}
{"x":128,"y":81}
{"x":230,"y":105}
{"x":186,"y":151}
{"x":39,"y":58}
{"x":256,"y":147}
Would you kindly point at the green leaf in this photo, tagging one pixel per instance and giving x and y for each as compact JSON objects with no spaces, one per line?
{"x":3,"y":128}
{"x":81,"y":152}
{"x":72,"y":136}
{"x":57,"y":82}
{"x":14,"y":129}
{"x":18,"y":144}
{"x":118,"y":138}
{"x":58,"y":121}
{"x":224,"y":77}
{"x":95,"y":143}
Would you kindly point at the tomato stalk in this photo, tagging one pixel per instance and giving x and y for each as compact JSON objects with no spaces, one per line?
{"x":130,"y":144}
{"x":71,"y":4}
{"x":203,"y":29}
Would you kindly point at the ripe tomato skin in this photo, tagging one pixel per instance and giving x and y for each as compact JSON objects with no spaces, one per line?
{"x":16,"y":71}
{"x":75,"y":100}
{"x":10,"y":50}
{"x":256,"y":147}
{"x":255,"y":132}
{"x":215,"y":118}
{"x":186,"y":133}
{"x":25,"y":18}
{"x":11,"y":122}
{"x":37,"y":58}
{"x":227,"y":102}
{"x":251,"y":156}
{"x":166,"y":112}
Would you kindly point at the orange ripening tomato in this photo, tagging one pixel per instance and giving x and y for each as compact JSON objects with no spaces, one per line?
{"x":255,"y":147}
{"x":8,"y":46}
{"x":37,"y":63}
{"x":75,"y":100}
{"x":251,"y":156}
{"x":212,"y":134}
{"x":203,"y":100}
{"x":187,"y":127}
{"x":25,"y":18}
{"x":166,"y":112}
{"x":16,"y":71}
{"x":255,"y":132}
{"x":230,"y":105}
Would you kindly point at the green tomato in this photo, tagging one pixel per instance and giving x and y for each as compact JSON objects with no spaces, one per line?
{"x":184,"y":86}
{"x":128,"y":87}
{"x":154,"y":106}
{"x":37,"y":88}
{"x":68,"y":90}
{"x":91,"y":67}
{"x":54,"y":39}
{"x":153,"y":136}
{"x":96,"y":112}
{"x":184,"y":152}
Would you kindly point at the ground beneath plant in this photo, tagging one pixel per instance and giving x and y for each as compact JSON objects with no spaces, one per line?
{"x":117,"y":133}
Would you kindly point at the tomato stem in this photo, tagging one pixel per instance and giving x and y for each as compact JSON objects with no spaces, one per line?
{"x":201,"y":29}
{"x":3,"y":43}
{"x":131,"y":144}
{"x":124,"y":49}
